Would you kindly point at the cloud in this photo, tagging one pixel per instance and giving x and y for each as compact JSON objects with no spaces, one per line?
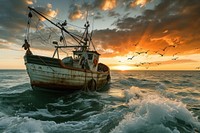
{"x":170,"y":23}
{"x":97,"y":15}
{"x":30,"y":2}
{"x":14,"y":20}
{"x":140,"y":3}
{"x":113,"y":14}
{"x":75,"y":12}
{"x":4,"y":44}
{"x":47,"y":11}
{"x":78,"y":10}
{"x":167,"y":23}
{"x":181,"y":61}
{"x":132,"y":4}
{"x":108,"y":4}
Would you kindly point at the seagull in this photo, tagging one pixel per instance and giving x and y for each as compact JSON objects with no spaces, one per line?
{"x":175,"y":58}
{"x":142,"y":63}
{"x":175,"y":54}
{"x":164,"y":48}
{"x":198,"y":67}
{"x":137,"y":65}
{"x":173,"y":46}
{"x":156,"y":52}
{"x":161,"y":54}
{"x":146,"y":52}
{"x":131,"y":57}
{"x":139,"y":53}
{"x":135,"y":44}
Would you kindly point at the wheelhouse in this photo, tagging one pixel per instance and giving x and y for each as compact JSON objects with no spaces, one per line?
{"x":87,"y":59}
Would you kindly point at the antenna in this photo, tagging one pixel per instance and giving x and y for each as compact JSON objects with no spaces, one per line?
{"x":86,"y":15}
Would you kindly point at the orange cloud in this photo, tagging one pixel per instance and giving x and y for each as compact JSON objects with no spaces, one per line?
{"x":48,"y":11}
{"x":155,"y":30}
{"x":4,"y":44}
{"x":30,"y":2}
{"x":76,"y":12}
{"x":140,"y":3}
{"x":76,"y":15}
{"x":108,"y":4}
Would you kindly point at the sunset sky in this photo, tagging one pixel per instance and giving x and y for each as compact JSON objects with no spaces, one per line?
{"x":129,"y":34}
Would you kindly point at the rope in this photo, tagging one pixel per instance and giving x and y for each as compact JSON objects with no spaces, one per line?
{"x":86,"y":87}
{"x":45,"y":40}
{"x":28,"y":28}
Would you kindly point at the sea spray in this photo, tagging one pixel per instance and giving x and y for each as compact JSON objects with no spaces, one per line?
{"x":150,"y":112}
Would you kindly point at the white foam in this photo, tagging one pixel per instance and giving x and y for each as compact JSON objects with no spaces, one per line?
{"x":21,"y":125}
{"x":161,"y":86}
{"x":133,"y":93}
{"x":30,"y":126}
{"x":150,"y":113}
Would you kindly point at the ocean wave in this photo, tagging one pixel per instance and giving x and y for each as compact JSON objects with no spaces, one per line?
{"x":142,"y":83}
{"x":155,"y":113}
{"x":151,"y":102}
{"x":19,"y":88}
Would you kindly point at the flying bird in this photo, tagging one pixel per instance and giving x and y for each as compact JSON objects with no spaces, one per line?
{"x":142,"y":63}
{"x":161,"y":54}
{"x":135,"y":44}
{"x":175,"y":58}
{"x":146,"y":52}
{"x":198,"y":67}
{"x":173,"y":46}
{"x":156,"y":52}
{"x":137,"y":65}
{"x":131,"y":57}
{"x":164,"y":48}
{"x":175,"y":54}
{"x":139,"y":53}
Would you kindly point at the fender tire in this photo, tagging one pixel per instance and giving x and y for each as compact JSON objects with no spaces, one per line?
{"x":92,"y":86}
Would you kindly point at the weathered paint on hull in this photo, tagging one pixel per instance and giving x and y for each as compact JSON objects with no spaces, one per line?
{"x":63,"y":79}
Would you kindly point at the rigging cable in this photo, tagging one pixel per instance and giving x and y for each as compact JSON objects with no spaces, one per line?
{"x":77,"y":39}
{"x":28,"y":26}
{"x":44,"y":41}
{"x":41,"y":36}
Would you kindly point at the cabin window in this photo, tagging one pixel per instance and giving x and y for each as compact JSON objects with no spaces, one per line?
{"x":90,"y":56}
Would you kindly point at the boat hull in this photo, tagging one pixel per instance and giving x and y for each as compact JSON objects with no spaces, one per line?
{"x":49,"y":74}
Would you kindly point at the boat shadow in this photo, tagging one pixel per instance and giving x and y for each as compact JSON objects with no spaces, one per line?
{"x":46,"y":97}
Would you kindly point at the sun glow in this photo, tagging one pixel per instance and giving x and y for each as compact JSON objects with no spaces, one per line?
{"x":122,"y":67}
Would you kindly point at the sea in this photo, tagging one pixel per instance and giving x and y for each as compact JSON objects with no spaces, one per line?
{"x":133,"y":102}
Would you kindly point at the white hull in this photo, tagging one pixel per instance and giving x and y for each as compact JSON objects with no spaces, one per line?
{"x":65,"y":79}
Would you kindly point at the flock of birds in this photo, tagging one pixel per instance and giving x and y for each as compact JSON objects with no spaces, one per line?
{"x":160,"y":52}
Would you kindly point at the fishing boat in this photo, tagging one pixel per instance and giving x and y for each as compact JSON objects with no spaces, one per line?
{"x":80,"y":71}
